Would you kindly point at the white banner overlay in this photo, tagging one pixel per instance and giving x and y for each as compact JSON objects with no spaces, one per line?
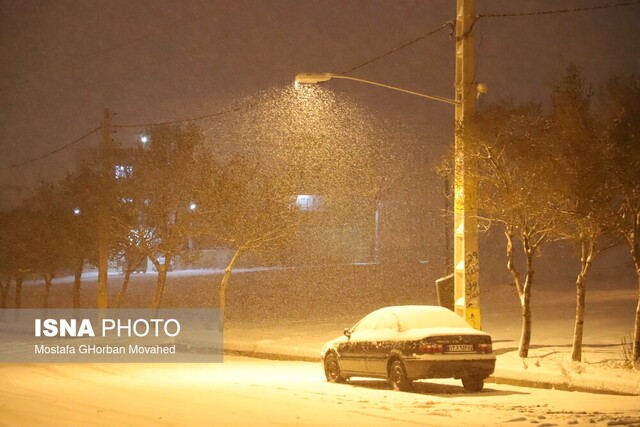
{"x":111,"y":336}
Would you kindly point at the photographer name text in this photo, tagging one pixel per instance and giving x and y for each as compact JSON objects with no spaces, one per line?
{"x":104,"y":349}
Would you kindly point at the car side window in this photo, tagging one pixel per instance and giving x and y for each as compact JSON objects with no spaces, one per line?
{"x":387,"y":321}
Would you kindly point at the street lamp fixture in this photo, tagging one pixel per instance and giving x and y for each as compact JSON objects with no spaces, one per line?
{"x":313,"y":78}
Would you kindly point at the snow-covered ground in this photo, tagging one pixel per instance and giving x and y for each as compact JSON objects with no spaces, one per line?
{"x":242,"y":391}
{"x":271,"y":314}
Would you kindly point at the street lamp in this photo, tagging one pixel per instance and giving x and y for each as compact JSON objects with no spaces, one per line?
{"x":466,"y":265}
{"x":312,"y":78}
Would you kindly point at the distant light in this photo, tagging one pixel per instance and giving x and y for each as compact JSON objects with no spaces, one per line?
{"x":308,"y":202}
{"x":193,"y":206}
{"x":76,"y":211}
{"x":144,"y":139}
{"x":123,"y":171}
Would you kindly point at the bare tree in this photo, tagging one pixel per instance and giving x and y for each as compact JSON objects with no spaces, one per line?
{"x":16,"y":258}
{"x":81,"y":191}
{"x":248,"y":210}
{"x":622,"y":101}
{"x":583,"y":192}
{"x":157,"y":186}
{"x":132,"y":253}
{"x":303,"y":142}
{"x":6,"y":269}
{"x":49,"y":224}
{"x":513,"y":191}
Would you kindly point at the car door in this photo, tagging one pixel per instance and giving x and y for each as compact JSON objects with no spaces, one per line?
{"x":353,"y":352}
{"x":383,"y":340}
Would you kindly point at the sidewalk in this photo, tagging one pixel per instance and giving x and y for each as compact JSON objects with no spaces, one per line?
{"x":548,"y":367}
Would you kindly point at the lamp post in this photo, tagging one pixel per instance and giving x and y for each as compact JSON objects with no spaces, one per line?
{"x":465,"y":253}
{"x":466,"y":273}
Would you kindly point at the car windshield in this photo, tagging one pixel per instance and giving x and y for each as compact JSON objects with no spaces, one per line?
{"x":414,"y":317}
{"x":366,"y":324}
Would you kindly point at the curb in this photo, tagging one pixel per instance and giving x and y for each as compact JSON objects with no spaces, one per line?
{"x":521,"y":382}
{"x":510,"y":377}
{"x":271,"y":356}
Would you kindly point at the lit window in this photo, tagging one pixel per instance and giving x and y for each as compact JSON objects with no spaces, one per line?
{"x":307,"y":202}
{"x":123,"y":171}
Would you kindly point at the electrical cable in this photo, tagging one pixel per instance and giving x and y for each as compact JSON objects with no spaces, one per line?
{"x":477,"y":18}
{"x":422,"y":37}
{"x":450,"y":23}
{"x":196,"y":118}
{"x":490,"y":15}
{"x":556,"y":11}
{"x":57,"y":150}
{"x":141,"y":125}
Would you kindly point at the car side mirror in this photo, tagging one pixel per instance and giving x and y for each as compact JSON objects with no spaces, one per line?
{"x":347,"y":332}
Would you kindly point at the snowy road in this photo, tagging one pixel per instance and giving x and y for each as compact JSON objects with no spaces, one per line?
{"x":243,"y":391}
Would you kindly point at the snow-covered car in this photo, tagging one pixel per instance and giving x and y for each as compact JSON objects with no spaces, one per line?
{"x":407,"y":343}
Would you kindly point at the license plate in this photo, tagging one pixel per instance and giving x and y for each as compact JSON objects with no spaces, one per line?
{"x":460,"y":348}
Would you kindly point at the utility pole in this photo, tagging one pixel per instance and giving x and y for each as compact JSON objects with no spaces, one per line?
{"x":103,"y":239}
{"x":465,"y":258}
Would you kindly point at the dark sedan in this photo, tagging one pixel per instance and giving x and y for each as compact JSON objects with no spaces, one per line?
{"x":407,"y":343}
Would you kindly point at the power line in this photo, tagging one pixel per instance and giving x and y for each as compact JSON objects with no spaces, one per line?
{"x":557,"y":11}
{"x":196,"y":118}
{"x":57,"y":150}
{"x":422,"y":37}
{"x":451,"y":23}
{"x":546,"y":12}
{"x":142,"y":125}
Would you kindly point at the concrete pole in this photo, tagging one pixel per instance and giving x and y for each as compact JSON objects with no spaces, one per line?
{"x":465,"y":258}
{"x":103,"y":240}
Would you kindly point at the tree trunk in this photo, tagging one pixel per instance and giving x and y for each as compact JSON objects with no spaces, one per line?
{"x":4,"y":293}
{"x":123,"y":289}
{"x":224,"y":284}
{"x":587,"y":252}
{"x":525,"y":337}
{"x":511,"y":263}
{"x":636,"y":326}
{"x":524,"y":292}
{"x":635,"y":253}
{"x":77,"y":282}
{"x":47,"y":290}
{"x":162,"y":278}
{"x":18,"y":299}
{"x":129,"y":268}
{"x":578,"y":330}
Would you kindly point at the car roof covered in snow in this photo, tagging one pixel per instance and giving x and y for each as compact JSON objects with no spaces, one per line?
{"x":424,"y":316}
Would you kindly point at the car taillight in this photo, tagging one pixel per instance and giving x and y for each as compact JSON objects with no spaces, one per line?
{"x":431,"y":348}
{"x":484,"y":347}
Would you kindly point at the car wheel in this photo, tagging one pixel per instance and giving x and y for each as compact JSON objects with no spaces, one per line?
{"x":332,"y":369}
{"x":398,"y":377}
{"x":473,"y":384}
